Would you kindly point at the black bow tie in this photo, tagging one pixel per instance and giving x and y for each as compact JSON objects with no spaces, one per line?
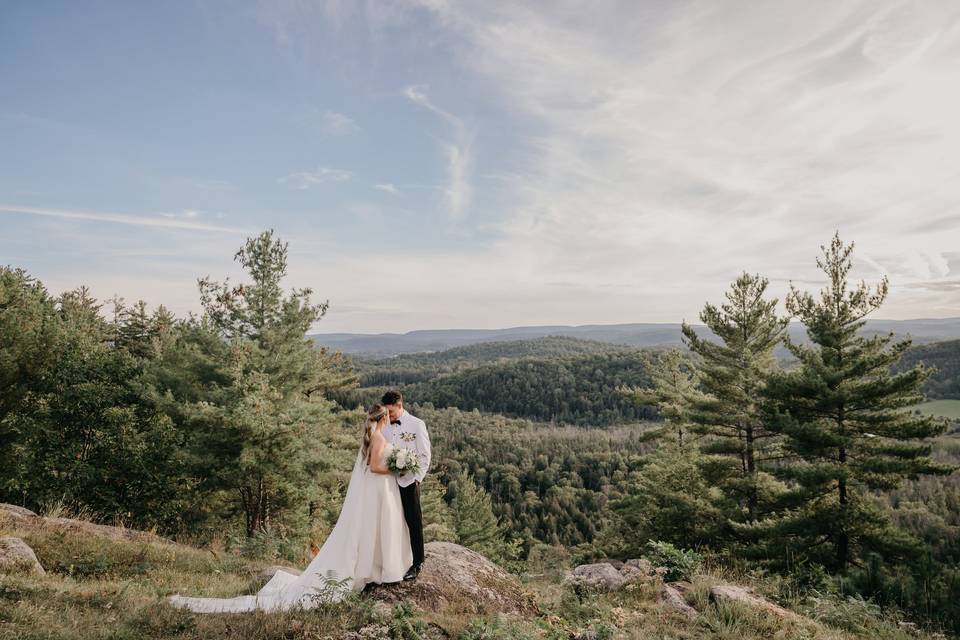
{"x":394,"y":422}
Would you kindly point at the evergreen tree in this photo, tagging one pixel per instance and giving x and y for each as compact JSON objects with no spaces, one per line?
{"x":437,"y":515}
{"x":845,"y":418}
{"x":733,"y":374}
{"x":669,"y":499}
{"x":74,"y":423}
{"x":134,"y":329}
{"x":274,"y":407}
{"x":475,"y":524}
{"x":675,"y":382}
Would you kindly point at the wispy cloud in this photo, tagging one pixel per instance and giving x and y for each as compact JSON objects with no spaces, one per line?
{"x":417,"y":95}
{"x":458,"y":189}
{"x":309,"y":179}
{"x":671,"y":151}
{"x":388,"y":187}
{"x":332,"y":123}
{"x":188,"y":214}
{"x":184,"y":220}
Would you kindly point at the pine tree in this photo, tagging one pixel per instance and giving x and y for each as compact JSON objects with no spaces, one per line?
{"x":669,"y":499}
{"x":732,"y":375}
{"x":476,"y":525}
{"x":437,"y":515}
{"x":274,"y":408}
{"x":845,"y":418}
{"x":675,"y":381}
{"x":134,"y":329}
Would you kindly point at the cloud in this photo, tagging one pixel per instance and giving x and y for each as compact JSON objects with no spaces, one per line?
{"x":388,"y":187}
{"x":660,"y":147}
{"x":183,"y":220}
{"x":188,"y":214}
{"x":309,"y":179}
{"x":331,"y":123}
{"x":458,"y":189}
{"x":417,"y":95}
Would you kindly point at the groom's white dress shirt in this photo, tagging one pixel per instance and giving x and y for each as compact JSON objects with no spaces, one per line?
{"x":411,"y":434}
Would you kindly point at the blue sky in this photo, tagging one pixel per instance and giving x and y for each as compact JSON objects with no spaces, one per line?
{"x":441,"y":164}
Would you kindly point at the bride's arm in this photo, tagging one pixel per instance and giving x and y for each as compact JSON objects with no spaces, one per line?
{"x":378,"y":442}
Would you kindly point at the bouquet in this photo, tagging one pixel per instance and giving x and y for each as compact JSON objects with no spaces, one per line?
{"x":402,"y":461}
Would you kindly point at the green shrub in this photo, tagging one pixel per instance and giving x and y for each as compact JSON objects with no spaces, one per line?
{"x":680,"y":564}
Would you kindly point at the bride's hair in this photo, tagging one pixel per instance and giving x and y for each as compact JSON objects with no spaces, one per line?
{"x":374,"y":415}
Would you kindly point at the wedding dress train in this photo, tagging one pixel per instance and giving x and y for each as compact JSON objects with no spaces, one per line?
{"x":370,"y":543}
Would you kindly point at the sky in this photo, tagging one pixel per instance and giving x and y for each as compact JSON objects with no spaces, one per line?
{"x":439,"y":164}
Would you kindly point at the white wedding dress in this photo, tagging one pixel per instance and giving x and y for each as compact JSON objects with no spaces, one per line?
{"x":370,"y":543}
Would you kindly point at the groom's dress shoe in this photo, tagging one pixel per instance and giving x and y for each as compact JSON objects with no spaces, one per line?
{"x":412,"y":573}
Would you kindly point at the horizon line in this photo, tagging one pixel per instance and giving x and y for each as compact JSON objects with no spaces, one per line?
{"x":592,"y":324}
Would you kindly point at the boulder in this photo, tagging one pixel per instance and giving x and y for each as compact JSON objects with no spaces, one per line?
{"x":600,"y":575}
{"x":614,"y":575}
{"x":671,"y":597}
{"x":458,"y":578}
{"x":16,"y":555}
{"x":725,"y":593}
{"x":83,"y":527}
{"x":17,"y":512}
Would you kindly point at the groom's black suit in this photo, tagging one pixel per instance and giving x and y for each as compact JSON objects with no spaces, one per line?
{"x":410,"y":429}
{"x":410,"y":497}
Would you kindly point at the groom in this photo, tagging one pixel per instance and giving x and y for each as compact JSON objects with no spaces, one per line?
{"x":410,"y":432}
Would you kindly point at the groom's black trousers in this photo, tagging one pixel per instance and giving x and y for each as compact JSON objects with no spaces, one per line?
{"x":410,"y":497}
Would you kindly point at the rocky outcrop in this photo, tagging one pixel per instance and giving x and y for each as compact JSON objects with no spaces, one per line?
{"x":16,"y":512}
{"x":671,"y":597}
{"x":103,"y":531}
{"x":602,"y":576}
{"x":613,"y":575}
{"x":454,"y":577}
{"x":16,"y":555}
{"x":727,"y":593}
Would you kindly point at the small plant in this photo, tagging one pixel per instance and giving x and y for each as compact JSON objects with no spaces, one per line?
{"x":331,"y":591}
{"x":405,"y":625}
{"x":680,"y":564}
{"x":496,"y":629}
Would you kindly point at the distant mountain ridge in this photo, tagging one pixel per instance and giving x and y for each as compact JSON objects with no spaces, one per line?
{"x":638,"y":335}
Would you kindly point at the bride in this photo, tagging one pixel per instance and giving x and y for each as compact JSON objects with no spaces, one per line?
{"x":370,"y":542}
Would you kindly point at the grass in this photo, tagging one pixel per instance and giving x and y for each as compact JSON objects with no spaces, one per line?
{"x":943,"y":408}
{"x":103,"y":589}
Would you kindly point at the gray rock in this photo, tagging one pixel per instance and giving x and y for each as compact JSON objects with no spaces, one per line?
{"x":16,"y":511}
{"x":725,"y":593}
{"x":600,"y":575}
{"x":671,"y":597}
{"x":639,"y":570}
{"x":16,"y":555}
{"x":82,"y":527}
{"x":454,"y":576}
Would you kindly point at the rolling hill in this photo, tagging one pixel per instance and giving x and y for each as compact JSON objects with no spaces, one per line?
{"x":410,"y":368}
{"x":637,"y":335}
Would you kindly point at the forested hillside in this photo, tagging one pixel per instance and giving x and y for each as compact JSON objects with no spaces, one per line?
{"x":580,"y":390}
{"x":548,"y":484}
{"x":420,"y":367}
{"x":945,"y":356}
